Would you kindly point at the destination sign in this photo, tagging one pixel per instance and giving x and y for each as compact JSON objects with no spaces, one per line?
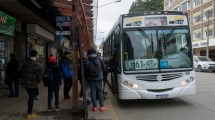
{"x":155,"y":20}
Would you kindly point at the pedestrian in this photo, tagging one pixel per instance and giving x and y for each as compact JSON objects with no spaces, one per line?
{"x":67,"y":73}
{"x":94,"y":68}
{"x":12,"y":76}
{"x":54,"y":85}
{"x":31,"y":74}
{"x":80,"y":78}
{"x":105,"y":73}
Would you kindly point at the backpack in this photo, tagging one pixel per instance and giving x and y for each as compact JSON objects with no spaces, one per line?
{"x":48,"y":77}
{"x":94,"y":69}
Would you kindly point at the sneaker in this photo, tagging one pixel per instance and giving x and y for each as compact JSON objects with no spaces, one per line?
{"x":10,"y":96}
{"x":50,"y":109}
{"x":37,"y":97}
{"x":81,"y":99}
{"x":57,"y":109}
{"x":28,"y":116}
{"x":94,"y":109}
{"x":66,"y":97}
{"x":34,"y":116}
{"x":102,"y":109}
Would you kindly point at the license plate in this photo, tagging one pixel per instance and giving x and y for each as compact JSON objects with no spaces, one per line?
{"x":163,"y":96}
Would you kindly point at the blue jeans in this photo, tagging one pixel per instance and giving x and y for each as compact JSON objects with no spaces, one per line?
{"x":31,"y":94}
{"x":13,"y":81}
{"x":51,"y":90}
{"x":96,"y":87}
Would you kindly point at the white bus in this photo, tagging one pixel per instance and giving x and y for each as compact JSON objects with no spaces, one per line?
{"x":150,"y":56}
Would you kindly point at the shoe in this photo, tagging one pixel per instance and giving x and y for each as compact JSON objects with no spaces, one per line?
{"x":81,"y":99}
{"x":28,"y":116}
{"x":37,"y":97}
{"x":34,"y":116}
{"x":102,"y":109}
{"x":10,"y":96}
{"x":94,"y":109}
{"x":57,"y":109}
{"x":50,"y":109}
{"x":66,"y":97}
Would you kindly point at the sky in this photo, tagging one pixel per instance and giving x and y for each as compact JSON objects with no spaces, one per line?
{"x":107,"y":16}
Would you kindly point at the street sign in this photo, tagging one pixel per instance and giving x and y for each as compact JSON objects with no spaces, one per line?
{"x":63,"y":23}
{"x":63,"y":18}
{"x":63,"y":32}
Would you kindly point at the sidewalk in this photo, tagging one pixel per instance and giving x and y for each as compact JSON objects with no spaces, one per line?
{"x":109,"y":114}
{"x":15,"y":108}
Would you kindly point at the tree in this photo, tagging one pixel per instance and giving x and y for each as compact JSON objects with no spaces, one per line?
{"x":146,"y":6}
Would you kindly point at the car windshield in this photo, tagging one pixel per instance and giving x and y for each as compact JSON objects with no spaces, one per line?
{"x":203,"y":58}
{"x":156,"y":49}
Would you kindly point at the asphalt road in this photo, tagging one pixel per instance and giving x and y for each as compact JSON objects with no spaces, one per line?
{"x":200,"y":106}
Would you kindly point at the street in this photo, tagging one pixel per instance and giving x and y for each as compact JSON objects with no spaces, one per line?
{"x":200,"y":106}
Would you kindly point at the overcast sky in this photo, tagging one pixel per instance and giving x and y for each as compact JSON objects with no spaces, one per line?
{"x":108,"y":15}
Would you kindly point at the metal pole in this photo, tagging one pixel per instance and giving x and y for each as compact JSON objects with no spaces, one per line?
{"x":207,"y":48}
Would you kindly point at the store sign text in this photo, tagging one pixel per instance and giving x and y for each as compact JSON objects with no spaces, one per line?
{"x":3,"y":19}
{"x":202,"y":44}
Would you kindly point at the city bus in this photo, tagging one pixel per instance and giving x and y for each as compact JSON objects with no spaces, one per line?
{"x":150,"y":56}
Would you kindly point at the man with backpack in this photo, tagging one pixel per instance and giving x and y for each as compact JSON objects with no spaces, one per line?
{"x":94,"y":68}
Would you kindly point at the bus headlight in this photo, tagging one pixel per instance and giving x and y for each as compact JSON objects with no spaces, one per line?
{"x":185,"y":82}
{"x":135,"y":86}
{"x":132,"y":85}
{"x":191,"y":78}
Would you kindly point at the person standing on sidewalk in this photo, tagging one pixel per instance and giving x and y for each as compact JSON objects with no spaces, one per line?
{"x":31,"y":74}
{"x":94,"y":68}
{"x":54,"y":85}
{"x":12,"y":76}
{"x":67,"y":73}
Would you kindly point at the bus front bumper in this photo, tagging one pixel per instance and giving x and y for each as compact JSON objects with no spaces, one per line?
{"x":128,"y":93}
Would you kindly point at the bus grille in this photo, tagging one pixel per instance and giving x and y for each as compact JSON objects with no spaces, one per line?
{"x":162,"y":77}
{"x":159,"y":90}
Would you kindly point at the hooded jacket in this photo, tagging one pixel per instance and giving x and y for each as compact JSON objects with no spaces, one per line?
{"x":93,"y":57}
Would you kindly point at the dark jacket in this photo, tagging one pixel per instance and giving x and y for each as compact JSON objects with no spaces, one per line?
{"x":12,"y":69}
{"x":31,"y":74}
{"x":57,"y":75}
{"x":101,"y":65}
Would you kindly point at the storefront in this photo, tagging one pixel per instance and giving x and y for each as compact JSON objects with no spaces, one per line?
{"x":199,"y":48}
{"x":60,"y":45}
{"x":38,"y":39}
{"x":7,"y":32}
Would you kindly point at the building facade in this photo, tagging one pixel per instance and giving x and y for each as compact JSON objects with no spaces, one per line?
{"x":202,"y":23}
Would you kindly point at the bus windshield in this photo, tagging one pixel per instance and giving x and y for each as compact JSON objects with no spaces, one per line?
{"x":156,"y":49}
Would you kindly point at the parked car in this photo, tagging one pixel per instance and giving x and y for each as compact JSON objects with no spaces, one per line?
{"x":203,"y":63}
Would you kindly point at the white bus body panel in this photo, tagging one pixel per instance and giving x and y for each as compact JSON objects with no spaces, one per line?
{"x":171,"y":88}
